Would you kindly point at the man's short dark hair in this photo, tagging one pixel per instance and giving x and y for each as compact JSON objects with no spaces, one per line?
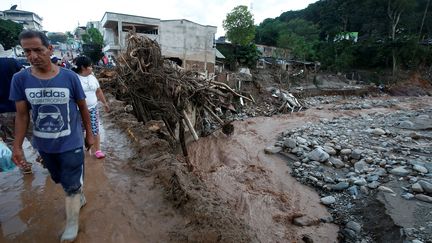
{"x":27,"y":34}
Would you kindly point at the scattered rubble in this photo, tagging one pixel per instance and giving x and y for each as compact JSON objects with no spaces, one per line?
{"x":351,"y":159}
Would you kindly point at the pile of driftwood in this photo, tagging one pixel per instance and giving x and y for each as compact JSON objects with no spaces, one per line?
{"x":160,"y":90}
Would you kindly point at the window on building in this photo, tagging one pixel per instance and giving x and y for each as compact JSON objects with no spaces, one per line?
{"x":141,"y":29}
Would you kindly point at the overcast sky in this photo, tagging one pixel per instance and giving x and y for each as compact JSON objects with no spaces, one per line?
{"x":69,"y":13}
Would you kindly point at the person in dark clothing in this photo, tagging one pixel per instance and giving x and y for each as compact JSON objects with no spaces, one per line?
{"x":8,"y":67}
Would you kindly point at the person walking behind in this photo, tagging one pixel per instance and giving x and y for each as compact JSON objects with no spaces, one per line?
{"x":8,"y":67}
{"x":57,"y":103}
{"x":94,"y":94}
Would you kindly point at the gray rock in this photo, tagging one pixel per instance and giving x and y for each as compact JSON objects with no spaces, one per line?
{"x":369,"y":160}
{"x":329,"y":150}
{"x":349,"y":234}
{"x":356,"y":227}
{"x":380,"y":172}
{"x":318,"y":154}
{"x":400,"y":171}
{"x":328,"y":179}
{"x":340,"y":186}
{"x":423,"y":198}
{"x":406,"y":124}
{"x":372,"y":178}
{"x":360,"y":182}
{"x":337,"y":162}
{"x":364,"y":190}
{"x":378,"y":131}
{"x":416,"y":187}
{"x":290,"y":143}
{"x":373,"y":185}
{"x":353,"y":191}
{"x":385,"y":189}
{"x":345,"y":151}
{"x":427,"y":187}
{"x":416,"y":241}
{"x":360,"y":166}
{"x":297,"y":164}
{"x":422,"y":122}
{"x":408,"y":196}
{"x":420,"y":169}
{"x":428,"y":166}
{"x":272,"y":150}
{"x":327,"y":219}
{"x":305,"y":221}
{"x":356,"y":154}
{"x":301,"y":140}
{"x":366,"y":106}
{"x":328,"y":200}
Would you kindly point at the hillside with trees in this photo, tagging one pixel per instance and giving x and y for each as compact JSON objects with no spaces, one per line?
{"x":350,"y":34}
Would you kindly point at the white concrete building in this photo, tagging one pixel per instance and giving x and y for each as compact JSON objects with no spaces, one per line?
{"x":29,"y":20}
{"x":190,"y":44}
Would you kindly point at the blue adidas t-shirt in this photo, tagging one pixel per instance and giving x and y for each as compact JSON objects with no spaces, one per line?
{"x":54,"y":112}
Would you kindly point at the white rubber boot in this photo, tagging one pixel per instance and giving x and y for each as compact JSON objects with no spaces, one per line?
{"x":83,"y":200}
{"x":73,"y":205}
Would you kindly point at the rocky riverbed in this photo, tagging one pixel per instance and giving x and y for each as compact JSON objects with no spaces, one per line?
{"x":372,"y":166}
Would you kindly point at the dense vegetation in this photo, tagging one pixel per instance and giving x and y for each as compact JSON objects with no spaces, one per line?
{"x":9,"y":32}
{"x":395,"y":34}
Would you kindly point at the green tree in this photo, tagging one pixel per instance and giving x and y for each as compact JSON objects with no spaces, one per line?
{"x":57,"y":38}
{"x":395,"y":8}
{"x":247,"y":55}
{"x":239,"y":26}
{"x":301,"y":37}
{"x":69,"y":34}
{"x":93,"y":43}
{"x":267,"y":32}
{"x":93,"y":36}
{"x":9,"y":32}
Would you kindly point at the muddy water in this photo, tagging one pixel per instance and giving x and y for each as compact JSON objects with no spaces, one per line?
{"x":121,"y":205}
{"x":258,"y":186}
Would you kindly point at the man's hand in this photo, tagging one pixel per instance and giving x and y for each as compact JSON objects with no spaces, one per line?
{"x":89,"y":141}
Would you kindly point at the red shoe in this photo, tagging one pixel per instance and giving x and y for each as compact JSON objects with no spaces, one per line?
{"x":99,"y":154}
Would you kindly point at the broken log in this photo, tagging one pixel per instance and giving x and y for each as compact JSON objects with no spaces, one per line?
{"x":190,"y":126}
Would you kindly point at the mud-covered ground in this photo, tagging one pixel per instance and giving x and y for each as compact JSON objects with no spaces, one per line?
{"x":122,"y":205}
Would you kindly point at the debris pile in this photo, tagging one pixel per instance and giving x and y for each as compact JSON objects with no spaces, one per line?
{"x":159,"y":90}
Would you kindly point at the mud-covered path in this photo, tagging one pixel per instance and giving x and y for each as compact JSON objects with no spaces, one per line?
{"x":122,"y":205}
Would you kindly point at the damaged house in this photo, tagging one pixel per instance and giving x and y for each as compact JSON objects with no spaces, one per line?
{"x":189,"y":44}
{"x":29,"y":20}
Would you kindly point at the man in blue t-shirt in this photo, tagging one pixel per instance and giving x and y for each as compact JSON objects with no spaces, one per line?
{"x":57,"y":103}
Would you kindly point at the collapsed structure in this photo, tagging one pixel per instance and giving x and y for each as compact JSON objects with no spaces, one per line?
{"x":159,"y":90}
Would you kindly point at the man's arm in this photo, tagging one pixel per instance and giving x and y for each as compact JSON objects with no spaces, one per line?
{"x":82,"y":105}
{"x":22,"y":119}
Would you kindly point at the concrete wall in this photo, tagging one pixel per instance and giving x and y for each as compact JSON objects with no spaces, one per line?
{"x":190,"y":42}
